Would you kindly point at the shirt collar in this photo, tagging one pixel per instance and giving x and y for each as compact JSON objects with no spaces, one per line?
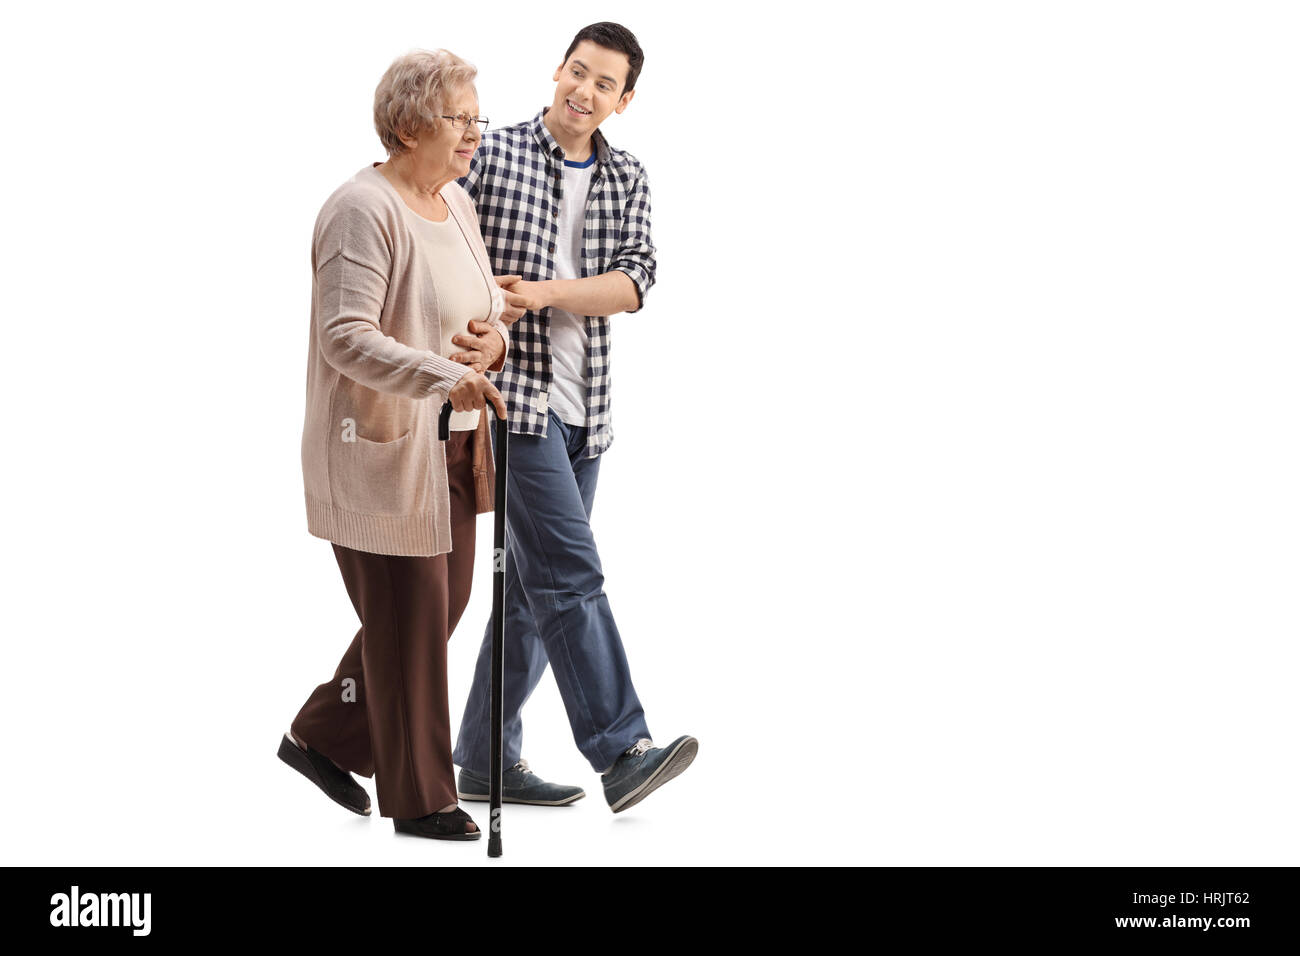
{"x":552,"y":148}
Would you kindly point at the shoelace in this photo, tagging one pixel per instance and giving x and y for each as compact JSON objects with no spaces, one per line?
{"x":522,"y":765}
{"x":640,"y":747}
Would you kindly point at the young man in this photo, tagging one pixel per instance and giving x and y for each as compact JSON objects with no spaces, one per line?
{"x":570,"y":216}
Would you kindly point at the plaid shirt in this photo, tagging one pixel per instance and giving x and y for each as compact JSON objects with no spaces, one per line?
{"x":516,"y":180}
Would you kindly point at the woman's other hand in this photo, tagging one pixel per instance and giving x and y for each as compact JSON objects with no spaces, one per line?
{"x":475,"y":391}
{"x":483,"y":346}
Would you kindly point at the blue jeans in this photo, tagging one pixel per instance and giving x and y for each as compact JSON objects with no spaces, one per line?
{"x":555,"y":610}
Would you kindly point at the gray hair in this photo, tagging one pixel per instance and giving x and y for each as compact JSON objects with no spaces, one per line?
{"x":411,"y":95}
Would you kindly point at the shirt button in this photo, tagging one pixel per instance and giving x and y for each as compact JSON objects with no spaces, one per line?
{"x":552,"y":247}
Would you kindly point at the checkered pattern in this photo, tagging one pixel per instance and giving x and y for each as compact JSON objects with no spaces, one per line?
{"x":516,"y":179}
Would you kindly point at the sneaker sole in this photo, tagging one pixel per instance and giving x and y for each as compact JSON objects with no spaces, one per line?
{"x":484,"y":798}
{"x":676,"y":762}
{"x":296,"y":759}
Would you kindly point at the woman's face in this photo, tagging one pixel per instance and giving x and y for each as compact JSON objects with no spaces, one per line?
{"x":446,"y":152}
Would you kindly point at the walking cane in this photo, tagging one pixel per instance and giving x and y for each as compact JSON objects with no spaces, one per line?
{"x":500,"y":444}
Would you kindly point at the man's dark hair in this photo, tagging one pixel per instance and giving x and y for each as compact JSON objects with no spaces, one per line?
{"x":613,"y":36}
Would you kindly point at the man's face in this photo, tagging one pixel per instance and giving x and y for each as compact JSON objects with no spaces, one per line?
{"x":589,"y":86}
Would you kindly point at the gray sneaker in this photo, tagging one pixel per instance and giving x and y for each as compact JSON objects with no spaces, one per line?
{"x":518,"y":785}
{"x":644,"y":768}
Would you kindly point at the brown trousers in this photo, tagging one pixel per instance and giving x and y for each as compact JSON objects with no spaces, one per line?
{"x":395,"y":724}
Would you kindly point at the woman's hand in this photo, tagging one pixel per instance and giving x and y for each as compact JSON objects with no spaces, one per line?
{"x":520,"y":297}
{"x":474,"y":391}
{"x":483,"y":346}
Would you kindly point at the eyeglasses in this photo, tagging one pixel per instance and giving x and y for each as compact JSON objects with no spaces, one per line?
{"x":462,"y":121}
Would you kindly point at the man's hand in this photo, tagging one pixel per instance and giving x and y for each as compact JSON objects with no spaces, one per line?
{"x":521,"y":297}
{"x":482,"y":347}
{"x":474,"y":391}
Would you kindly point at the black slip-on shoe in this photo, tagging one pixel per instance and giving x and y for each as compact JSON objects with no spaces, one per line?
{"x":334,"y":782}
{"x":440,"y":826}
{"x":518,"y":785}
{"x":644,"y":768}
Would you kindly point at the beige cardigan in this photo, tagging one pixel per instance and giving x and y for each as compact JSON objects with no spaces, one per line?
{"x":374,"y":471}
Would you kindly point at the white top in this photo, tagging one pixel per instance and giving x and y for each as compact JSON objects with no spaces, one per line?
{"x":458,"y":282}
{"x":568,"y":395}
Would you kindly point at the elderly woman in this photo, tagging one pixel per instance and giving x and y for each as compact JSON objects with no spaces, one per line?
{"x":405,"y":313}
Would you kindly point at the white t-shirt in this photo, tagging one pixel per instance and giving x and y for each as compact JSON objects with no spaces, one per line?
{"x":568,"y":395}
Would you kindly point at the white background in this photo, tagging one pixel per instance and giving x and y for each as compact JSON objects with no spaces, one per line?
{"x":953,"y":503}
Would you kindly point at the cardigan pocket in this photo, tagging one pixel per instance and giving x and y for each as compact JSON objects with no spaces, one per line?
{"x":378,"y":478}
